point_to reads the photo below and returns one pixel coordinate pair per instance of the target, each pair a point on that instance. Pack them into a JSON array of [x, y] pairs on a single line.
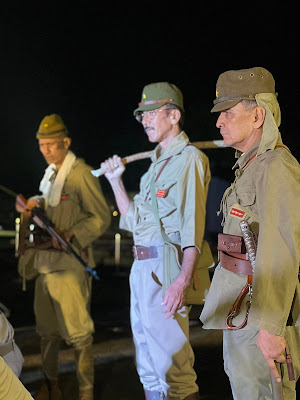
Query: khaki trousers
[[61, 306], [164, 356], [248, 371]]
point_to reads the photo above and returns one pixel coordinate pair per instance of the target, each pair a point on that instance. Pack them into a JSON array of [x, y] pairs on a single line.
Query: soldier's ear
[[175, 116], [67, 142], [259, 117]]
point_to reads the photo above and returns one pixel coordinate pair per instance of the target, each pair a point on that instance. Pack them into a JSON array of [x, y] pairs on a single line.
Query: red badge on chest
[[64, 197], [162, 193], [237, 213]]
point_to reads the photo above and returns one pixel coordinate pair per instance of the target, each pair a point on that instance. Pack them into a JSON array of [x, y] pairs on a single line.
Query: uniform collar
[[175, 147], [244, 158]]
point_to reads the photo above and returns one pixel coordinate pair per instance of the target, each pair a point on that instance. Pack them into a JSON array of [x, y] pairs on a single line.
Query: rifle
[[39, 217]]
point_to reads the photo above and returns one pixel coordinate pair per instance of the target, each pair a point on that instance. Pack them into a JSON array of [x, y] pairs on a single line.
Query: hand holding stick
[[213, 144]]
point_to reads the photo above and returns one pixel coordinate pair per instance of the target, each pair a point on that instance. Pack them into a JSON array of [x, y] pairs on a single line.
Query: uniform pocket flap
[[247, 198]]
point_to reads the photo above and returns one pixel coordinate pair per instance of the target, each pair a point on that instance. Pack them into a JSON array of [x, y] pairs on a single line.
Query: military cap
[[51, 126], [156, 95], [234, 86]]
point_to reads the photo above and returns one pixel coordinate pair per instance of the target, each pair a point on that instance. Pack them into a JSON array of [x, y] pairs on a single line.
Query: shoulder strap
[[154, 202], [158, 175]]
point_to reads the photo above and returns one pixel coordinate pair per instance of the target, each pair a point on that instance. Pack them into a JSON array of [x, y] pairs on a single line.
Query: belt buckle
[[154, 251], [134, 251]]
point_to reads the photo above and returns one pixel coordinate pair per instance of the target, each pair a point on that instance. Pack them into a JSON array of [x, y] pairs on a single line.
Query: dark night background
[[89, 63]]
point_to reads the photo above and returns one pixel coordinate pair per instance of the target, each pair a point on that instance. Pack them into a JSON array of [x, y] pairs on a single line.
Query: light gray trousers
[[164, 356]]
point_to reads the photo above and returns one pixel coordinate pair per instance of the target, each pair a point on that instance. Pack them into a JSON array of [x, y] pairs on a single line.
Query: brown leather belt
[[144, 253], [233, 257], [234, 264], [232, 253]]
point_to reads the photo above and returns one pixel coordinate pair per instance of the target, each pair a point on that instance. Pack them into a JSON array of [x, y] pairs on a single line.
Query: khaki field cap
[[234, 86], [158, 94], [51, 126]]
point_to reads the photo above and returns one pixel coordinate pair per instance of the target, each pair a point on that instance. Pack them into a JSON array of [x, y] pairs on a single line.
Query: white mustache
[[148, 128]]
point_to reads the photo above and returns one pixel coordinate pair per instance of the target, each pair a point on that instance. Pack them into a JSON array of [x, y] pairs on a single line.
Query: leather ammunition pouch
[[232, 254], [234, 258]]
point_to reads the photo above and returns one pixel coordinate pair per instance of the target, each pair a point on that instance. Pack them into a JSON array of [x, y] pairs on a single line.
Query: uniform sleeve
[[192, 188], [10, 386], [277, 261], [98, 216]]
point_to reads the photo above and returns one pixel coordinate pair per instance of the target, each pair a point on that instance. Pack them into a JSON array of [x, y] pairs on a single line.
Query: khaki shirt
[[270, 188], [181, 192], [82, 210]]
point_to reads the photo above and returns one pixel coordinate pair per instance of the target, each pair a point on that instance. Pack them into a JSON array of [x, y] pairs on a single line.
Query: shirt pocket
[[166, 196], [165, 189], [246, 197]]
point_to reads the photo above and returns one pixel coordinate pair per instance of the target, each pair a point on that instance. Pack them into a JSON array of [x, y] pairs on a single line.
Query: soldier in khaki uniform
[[72, 199], [265, 194], [180, 176]]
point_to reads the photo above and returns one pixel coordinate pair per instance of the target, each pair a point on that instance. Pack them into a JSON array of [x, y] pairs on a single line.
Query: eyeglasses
[[150, 115]]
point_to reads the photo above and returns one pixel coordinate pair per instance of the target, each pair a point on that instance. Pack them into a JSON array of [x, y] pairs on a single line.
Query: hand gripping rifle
[[40, 218]]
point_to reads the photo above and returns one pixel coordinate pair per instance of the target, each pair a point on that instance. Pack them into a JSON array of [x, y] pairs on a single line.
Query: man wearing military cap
[[73, 201], [255, 292], [176, 183]]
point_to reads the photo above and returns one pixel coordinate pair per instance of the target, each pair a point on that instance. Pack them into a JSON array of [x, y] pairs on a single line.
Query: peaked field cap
[[236, 85], [51, 126], [156, 95]]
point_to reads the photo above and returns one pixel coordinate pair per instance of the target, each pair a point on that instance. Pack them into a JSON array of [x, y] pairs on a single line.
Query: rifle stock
[[40, 218]]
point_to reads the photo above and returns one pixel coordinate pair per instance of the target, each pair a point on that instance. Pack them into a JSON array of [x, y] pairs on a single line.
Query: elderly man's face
[[237, 126], [54, 150], [158, 123]]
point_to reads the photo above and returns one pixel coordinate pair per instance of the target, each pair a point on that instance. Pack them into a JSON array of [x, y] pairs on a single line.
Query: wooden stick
[[211, 144]]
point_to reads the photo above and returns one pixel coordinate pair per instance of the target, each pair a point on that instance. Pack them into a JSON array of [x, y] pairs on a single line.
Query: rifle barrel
[[51, 230]]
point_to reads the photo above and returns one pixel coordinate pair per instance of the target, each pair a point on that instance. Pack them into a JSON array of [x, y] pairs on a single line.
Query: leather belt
[[144, 253], [235, 264], [233, 257]]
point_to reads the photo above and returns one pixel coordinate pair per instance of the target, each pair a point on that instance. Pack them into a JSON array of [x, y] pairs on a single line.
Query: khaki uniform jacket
[[181, 195], [82, 210], [270, 188]]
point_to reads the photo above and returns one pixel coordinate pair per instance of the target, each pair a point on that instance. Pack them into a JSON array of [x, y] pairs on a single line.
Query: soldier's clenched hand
[[113, 167]]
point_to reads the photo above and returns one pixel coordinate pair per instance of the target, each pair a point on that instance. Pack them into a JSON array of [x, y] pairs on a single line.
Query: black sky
[[89, 63]]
